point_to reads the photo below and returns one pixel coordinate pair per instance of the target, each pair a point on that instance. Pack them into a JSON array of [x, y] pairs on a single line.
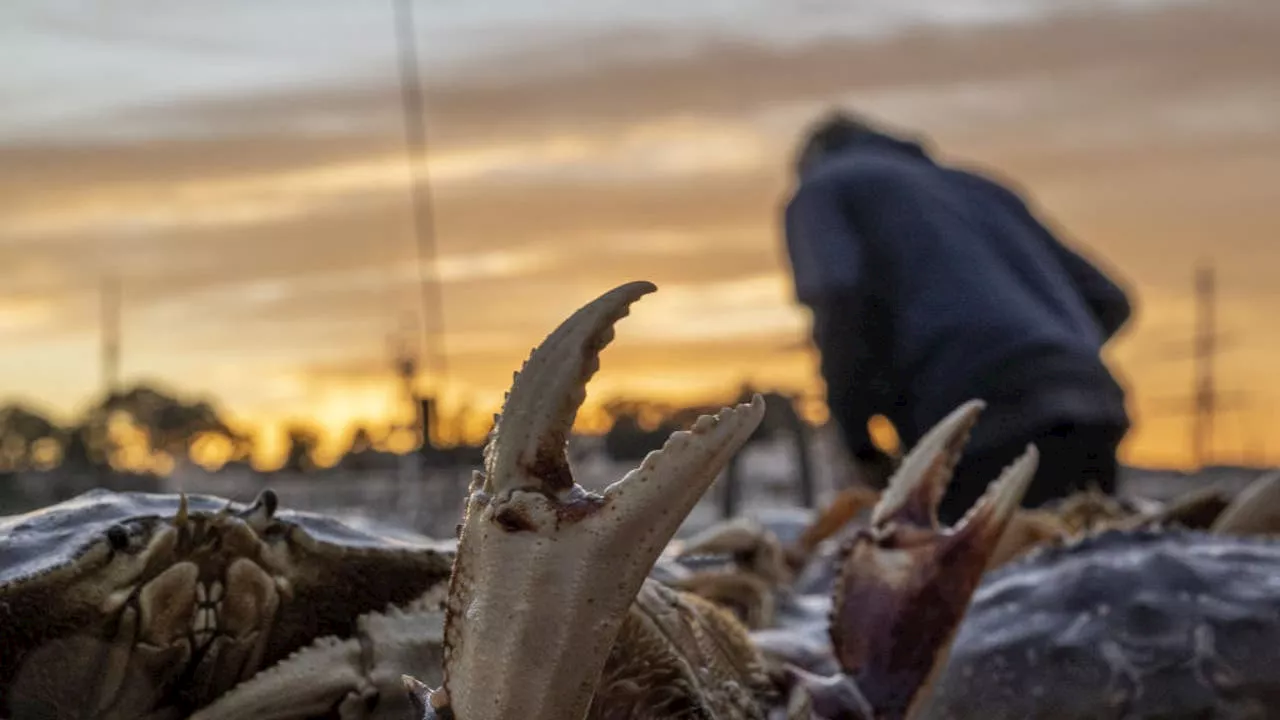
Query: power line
[[432, 296]]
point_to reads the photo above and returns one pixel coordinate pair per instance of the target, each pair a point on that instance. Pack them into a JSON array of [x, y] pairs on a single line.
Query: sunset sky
[[241, 167]]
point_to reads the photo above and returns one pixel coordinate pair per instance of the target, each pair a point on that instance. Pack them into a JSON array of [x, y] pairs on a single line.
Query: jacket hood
[[871, 141]]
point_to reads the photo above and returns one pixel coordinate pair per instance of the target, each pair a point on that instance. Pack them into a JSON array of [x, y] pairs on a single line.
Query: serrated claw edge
[[527, 445], [917, 487], [906, 562], [545, 570]]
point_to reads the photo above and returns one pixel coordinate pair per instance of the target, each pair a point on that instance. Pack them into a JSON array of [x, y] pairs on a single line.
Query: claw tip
[[180, 520]]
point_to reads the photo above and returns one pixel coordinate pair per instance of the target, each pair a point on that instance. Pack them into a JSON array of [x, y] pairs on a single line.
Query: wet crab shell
[[75, 579], [41, 541], [1123, 624]]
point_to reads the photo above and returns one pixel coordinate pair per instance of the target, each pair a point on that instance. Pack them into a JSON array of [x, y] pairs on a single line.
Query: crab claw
[[752, 546], [545, 570], [1255, 511], [848, 504], [905, 582], [419, 696], [834, 696]]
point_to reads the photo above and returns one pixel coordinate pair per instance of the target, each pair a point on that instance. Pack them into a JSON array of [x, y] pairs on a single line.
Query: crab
[[1254, 511], [551, 606], [1173, 624], [758, 574], [848, 504], [1162, 612], [553, 612], [137, 605], [1167, 611], [749, 584]]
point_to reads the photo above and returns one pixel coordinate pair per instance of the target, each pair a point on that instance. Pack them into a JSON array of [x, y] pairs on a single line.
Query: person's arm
[[827, 262], [850, 367], [1109, 302], [1104, 296]]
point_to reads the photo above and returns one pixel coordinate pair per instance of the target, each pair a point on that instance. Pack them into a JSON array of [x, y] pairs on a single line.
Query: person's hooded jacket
[[930, 286]]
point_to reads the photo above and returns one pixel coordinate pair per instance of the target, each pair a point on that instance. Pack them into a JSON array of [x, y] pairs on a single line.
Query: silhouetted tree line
[[638, 427], [145, 422], [162, 425]]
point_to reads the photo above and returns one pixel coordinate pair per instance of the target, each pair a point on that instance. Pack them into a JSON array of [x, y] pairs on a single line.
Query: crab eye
[[118, 537], [270, 501]]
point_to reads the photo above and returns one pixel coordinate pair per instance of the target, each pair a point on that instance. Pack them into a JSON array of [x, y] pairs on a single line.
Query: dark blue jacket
[[931, 285]]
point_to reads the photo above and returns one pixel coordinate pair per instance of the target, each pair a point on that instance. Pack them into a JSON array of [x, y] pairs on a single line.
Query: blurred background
[[261, 243]]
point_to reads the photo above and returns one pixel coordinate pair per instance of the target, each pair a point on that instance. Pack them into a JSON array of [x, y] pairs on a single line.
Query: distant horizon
[[475, 423], [592, 422]]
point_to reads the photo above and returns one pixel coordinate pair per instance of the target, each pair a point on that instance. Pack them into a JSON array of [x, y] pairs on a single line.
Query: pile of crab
[[556, 603]]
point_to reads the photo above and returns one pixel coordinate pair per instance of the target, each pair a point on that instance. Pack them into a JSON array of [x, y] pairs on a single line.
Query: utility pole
[[424, 227], [406, 369], [420, 196], [1206, 347], [1207, 401], [109, 300]]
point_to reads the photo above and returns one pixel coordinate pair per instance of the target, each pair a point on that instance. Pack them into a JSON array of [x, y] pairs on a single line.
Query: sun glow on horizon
[[697, 344], [267, 253]]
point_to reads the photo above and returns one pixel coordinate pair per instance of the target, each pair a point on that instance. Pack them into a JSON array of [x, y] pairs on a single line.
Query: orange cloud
[[272, 268]]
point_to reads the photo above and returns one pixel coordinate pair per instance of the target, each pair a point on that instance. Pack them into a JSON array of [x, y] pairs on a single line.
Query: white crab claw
[[545, 571], [527, 446]]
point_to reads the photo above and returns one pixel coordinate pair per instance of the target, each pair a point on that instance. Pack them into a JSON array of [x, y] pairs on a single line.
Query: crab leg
[[1255, 511], [906, 582], [847, 505], [753, 547], [545, 571]]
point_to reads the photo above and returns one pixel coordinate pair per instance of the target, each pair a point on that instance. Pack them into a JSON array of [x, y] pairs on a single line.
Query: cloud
[[667, 150], [73, 53], [270, 240], [742, 308]]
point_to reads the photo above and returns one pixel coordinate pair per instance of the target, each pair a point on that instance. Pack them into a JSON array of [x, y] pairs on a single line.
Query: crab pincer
[[906, 582], [545, 571]]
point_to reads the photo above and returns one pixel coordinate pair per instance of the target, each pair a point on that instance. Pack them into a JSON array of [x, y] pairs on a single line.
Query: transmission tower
[[406, 364], [1206, 347], [1207, 401], [109, 299]]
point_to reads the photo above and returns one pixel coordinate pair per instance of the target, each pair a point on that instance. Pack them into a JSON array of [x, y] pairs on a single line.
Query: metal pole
[[110, 359]]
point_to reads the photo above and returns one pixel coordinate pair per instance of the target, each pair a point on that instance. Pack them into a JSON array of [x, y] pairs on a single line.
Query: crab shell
[[1173, 624], [120, 605]]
